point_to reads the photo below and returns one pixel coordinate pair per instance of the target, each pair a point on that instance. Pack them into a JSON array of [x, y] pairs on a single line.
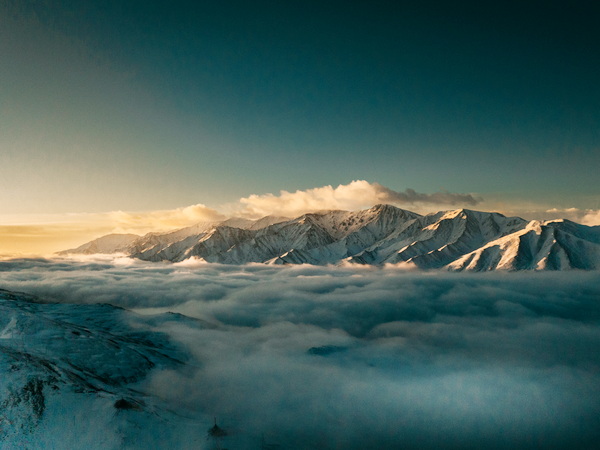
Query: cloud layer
[[318, 357]]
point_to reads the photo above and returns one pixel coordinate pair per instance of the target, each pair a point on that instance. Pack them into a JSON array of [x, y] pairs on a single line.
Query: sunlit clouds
[[47, 238], [591, 217], [352, 196], [43, 234], [50, 233], [164, 219]]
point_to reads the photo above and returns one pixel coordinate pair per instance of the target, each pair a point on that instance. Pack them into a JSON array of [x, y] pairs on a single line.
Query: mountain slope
[[553, 245], [438, 239], [457, 240], [111, 243], [58, 360]]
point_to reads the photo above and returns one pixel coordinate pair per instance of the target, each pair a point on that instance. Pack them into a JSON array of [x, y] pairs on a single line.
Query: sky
[[146, 108]]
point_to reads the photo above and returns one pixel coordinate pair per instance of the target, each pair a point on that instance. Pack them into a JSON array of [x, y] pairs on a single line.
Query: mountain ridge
[[455, 240]]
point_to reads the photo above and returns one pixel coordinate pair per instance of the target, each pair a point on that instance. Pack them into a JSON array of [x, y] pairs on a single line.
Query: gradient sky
[[149, 105]]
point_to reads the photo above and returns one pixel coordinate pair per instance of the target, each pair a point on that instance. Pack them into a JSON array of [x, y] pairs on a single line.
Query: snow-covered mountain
[[111, 243], [552, 245], [456, 240], [63, 364]]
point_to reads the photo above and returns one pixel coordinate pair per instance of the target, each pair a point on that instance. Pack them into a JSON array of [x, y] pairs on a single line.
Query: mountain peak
[[384, 234], [383, 207]]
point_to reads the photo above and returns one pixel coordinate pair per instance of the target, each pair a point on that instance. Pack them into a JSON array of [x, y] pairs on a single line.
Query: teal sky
[[140, 105]]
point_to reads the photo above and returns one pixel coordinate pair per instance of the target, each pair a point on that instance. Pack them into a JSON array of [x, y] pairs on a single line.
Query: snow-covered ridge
[[456, 240], [56, 359]]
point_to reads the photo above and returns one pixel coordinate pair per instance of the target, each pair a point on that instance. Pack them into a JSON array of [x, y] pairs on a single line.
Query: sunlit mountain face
[[299, 225], [455, 240], [325, 207]]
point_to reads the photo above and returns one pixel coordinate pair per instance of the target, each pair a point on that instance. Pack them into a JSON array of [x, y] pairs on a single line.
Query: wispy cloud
[[163, 219], [46, 234]]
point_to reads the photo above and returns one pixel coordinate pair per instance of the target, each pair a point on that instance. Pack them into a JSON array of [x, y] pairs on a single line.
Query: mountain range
[[454, 240]]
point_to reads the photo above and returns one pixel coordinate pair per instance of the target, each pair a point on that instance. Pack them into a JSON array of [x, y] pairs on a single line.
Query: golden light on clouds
[[143, 222], [353, 196], [45, 234], [27, 240]]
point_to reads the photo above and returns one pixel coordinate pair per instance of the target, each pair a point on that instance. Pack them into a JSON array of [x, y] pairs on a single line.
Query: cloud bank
[[163, 220], [354, 358], [356, 195], [589, 217]]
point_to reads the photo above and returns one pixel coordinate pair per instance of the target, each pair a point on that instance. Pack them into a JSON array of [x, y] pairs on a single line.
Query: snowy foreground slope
[[62, 366], [455, 240]]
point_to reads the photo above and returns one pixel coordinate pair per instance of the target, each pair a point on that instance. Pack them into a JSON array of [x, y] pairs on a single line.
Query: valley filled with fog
[[297, 356]]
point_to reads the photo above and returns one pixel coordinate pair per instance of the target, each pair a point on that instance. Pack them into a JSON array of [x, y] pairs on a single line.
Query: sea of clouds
[[352, 358]]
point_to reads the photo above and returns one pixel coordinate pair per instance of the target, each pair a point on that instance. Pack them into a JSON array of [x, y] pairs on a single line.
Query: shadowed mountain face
[[455, 240]]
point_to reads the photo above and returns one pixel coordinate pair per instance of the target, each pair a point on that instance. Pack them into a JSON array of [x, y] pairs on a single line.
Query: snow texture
[[455, 240]]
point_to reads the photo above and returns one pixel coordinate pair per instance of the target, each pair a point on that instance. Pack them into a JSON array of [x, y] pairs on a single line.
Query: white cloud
[[588, 217], [45, 234], [591, 217], [159, 220], [532, 211], [353, 196]]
